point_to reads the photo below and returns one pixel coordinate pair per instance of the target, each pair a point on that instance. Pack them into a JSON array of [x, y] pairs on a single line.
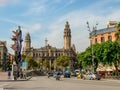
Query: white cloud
[[5, 2], [55, 38], [32, 28], [77, 20], [36, 7], [45, 6], [26, 27], [35, 10]]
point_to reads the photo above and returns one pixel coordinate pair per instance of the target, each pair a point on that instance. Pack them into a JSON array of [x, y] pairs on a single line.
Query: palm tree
[[117, 34]]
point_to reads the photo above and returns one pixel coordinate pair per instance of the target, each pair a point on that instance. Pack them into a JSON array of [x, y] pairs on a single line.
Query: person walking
[[21, 74], [24, 74], [9, 74]]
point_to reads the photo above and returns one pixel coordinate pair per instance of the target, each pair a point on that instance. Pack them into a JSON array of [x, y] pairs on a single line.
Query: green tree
[[81, 59], [107, 52], [111, 53], [31, 62], [46, 64], [97, 55], [87, 60], [90, 57], [117, 34], [23, 57], [40, 63], [63, 61]]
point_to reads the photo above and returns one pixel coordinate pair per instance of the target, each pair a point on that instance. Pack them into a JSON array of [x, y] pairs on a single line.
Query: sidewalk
[[4, 77]]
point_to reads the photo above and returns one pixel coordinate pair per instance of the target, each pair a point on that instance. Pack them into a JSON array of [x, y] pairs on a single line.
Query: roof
[[46, 48], [101, 31]]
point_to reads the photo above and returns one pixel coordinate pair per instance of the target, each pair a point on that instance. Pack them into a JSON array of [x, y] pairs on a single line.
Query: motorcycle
[[58, 77]]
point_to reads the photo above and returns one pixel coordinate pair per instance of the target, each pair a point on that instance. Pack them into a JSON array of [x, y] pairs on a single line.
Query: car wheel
[[83, 78], [91, 78], [98, 78]]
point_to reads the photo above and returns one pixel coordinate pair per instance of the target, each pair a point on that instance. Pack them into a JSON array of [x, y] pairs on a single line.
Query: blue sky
[[47, 18]]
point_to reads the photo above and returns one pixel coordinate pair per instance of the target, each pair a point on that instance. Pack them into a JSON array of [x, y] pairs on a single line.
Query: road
[[44, 83]]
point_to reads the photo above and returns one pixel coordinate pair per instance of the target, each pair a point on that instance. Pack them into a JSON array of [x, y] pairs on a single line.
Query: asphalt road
[[44, 83]]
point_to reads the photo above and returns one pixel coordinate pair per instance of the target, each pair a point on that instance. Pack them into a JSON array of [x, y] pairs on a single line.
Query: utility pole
[[17, 38], [91, 37]]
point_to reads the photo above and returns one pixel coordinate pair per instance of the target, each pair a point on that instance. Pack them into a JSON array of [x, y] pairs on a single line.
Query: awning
[[108, 69]]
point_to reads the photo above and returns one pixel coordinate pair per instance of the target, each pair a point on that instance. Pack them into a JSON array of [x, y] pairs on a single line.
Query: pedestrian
[[9, 74], [24, 74], [21, 74]]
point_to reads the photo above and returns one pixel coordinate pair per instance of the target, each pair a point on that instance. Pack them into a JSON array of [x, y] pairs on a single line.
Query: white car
[[92, 76], [77, 71]]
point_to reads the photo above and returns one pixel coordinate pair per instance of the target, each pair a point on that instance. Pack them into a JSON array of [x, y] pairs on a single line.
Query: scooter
[[58, 77]]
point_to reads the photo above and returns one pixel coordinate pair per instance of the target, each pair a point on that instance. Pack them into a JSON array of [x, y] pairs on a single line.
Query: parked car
[[75, 73], [67, 74], [92, 76], [50, 74], [56, 73]]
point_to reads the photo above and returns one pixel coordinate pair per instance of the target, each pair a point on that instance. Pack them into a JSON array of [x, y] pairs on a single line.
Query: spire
[[67, 27], [27, 41], [27, 37], [46, 41], [67, 31], [67, 36]]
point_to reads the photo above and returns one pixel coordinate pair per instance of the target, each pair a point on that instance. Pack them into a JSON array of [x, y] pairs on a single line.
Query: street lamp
[[90, 33]]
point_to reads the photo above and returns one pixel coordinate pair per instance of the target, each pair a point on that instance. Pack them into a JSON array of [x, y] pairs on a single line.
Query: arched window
[[95, 40], [36, 55], [102, 39], [109, 37], [43, 54]]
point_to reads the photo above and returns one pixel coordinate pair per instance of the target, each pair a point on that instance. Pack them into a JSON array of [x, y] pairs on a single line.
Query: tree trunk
[[116, 71]]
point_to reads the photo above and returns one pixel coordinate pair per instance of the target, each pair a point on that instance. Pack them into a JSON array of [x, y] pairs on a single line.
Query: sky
[[47, 18]]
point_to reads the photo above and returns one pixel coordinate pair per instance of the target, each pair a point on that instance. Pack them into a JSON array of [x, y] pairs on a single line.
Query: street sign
[[24, 65]]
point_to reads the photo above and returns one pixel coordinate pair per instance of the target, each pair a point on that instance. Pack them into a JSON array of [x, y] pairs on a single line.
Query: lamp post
[[91, 33]]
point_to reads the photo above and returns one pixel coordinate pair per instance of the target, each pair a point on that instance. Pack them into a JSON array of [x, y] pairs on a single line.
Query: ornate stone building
[[3, 55], [50, 53]]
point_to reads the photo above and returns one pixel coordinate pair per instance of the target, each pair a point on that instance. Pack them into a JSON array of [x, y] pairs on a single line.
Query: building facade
[[103, 35], [10, 59], [3, 56], [50, 53]]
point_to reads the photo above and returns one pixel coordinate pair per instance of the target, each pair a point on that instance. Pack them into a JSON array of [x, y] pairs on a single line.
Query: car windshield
[[77, 71]]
